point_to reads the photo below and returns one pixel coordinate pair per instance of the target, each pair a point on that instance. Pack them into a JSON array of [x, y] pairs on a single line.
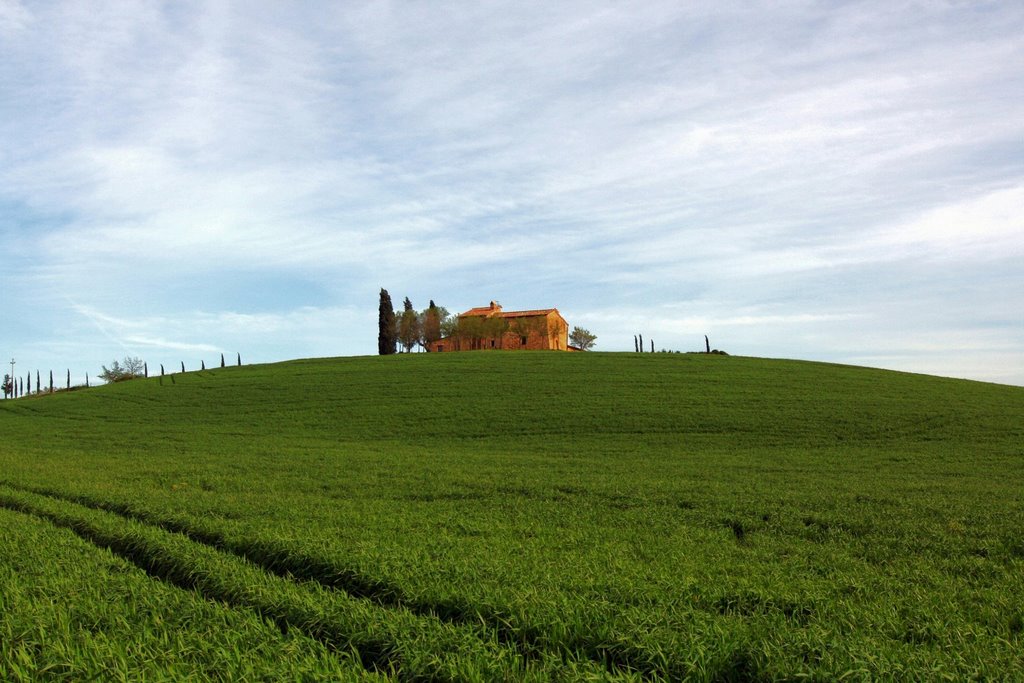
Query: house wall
[[525, 333]]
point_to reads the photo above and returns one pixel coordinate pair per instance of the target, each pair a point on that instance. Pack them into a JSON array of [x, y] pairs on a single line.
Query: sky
[[827, 181]]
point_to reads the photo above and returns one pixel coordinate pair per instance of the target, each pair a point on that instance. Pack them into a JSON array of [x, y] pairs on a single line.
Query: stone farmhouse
[[489, 327]]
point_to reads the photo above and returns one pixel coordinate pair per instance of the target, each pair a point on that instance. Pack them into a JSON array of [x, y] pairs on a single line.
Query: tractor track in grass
[[178, 574], [528, 643], [162, 556]]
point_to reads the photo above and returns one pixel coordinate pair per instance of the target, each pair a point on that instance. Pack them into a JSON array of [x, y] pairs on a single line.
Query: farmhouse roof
[[495, 309], [483, 310], [529, 314]]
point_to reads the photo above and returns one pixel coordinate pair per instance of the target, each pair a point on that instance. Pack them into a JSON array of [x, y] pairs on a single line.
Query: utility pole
[[12, 378]]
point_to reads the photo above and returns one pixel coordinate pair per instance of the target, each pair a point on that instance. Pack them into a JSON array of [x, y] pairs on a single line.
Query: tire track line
[[177, 559], [529, 643]]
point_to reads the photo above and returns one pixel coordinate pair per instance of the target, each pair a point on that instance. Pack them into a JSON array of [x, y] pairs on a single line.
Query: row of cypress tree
[[14, 387], [410, 328]]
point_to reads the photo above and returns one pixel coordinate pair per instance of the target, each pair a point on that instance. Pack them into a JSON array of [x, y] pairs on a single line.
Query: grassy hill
[[515, 516]]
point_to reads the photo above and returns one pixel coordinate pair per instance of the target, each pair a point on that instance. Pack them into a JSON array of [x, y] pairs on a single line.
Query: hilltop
[[417, 396]]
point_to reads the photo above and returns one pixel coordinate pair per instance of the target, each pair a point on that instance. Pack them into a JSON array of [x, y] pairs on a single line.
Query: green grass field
[[515, 516]]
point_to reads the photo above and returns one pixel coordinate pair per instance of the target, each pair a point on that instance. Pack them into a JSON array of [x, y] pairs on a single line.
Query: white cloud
[[160, 343], [988, 226]]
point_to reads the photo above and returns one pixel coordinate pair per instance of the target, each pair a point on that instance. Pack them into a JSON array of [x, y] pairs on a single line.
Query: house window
[[522, 340], [492, 343]]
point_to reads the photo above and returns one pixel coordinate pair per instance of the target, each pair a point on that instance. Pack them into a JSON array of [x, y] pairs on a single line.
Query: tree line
[[638, 346], [133, 368], [411, 328], [16, 386], [130, 367], [13, 387]]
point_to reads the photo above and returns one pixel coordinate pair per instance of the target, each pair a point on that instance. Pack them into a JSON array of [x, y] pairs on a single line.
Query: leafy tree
[[115, 373], [129, 368], [468, 330], [408, 327], [386, 333], [478, 330], [431, 320], [450, 326], [8, 386], [582, 339], [525, 328], [495, 327]]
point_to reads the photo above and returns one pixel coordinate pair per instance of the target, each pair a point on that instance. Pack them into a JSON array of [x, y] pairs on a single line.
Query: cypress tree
[[37, 382], [239, 359], [69, 379], [161, 369], [51, 381], [183, 366], [641, 343], [145, 369], [222, 360], [387, 337], [202, 365]]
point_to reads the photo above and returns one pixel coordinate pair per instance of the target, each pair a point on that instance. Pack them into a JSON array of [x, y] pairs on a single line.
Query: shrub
[[130, 368]]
